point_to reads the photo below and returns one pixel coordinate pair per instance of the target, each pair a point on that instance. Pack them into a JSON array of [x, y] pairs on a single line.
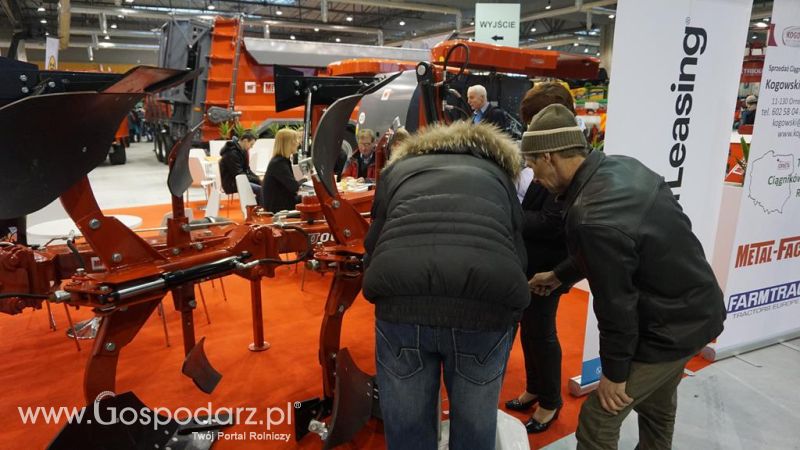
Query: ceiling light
[[279, 12], [761, 25], [586, 50], [598, 54], [766, 19], [211, 7], [114, 26], [611, 16], [349, 18], [402, 23], [316, 29], [471, 40], [549, 47], [533, 30], [548, 5], [47, 33], [291, 37], [338, 40], [574, 44], [106, 37], [472, 23], [41, 9], [413, 33], [752, 37], [43, 21], [128, 1], [120, 16]]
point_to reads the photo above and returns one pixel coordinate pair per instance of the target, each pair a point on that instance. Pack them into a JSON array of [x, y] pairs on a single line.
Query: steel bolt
[[192, 303], [23, 77], [347, 232], [198, 245], [25, 90], [51, 84], [297, 83], [185, 227], [335, 204], [176, 251], [105, 289], [110, 346], [80, 271], [94, 224], [295, 92], [340, 309], [83, 150], [116, 257]]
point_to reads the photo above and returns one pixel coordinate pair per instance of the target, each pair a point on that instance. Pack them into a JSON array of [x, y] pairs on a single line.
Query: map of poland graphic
[[771, 178]]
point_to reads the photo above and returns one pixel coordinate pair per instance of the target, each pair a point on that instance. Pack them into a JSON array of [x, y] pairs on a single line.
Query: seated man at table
[[362, 163], [234, 160]]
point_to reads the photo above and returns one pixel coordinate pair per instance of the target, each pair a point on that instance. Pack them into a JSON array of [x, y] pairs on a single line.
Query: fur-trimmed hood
[[464, 137]]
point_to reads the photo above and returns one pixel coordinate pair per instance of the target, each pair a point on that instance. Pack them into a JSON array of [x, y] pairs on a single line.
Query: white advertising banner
[[671, 102], [763, 289], [51, 54]]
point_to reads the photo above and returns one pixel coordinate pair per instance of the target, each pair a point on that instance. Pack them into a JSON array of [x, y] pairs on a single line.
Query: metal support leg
[[163, 321], [203, 299], [50, 319], [224, 295], [259, 344], [72, 327]]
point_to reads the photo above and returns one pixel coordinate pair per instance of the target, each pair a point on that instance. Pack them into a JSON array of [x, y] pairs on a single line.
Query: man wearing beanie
[[655, 297]]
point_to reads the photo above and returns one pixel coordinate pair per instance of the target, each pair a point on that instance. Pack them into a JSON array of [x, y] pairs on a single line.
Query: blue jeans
[[410, 359], [257, 193]]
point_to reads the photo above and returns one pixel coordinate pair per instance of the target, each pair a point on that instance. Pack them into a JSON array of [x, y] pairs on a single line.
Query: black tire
[[117, 154]]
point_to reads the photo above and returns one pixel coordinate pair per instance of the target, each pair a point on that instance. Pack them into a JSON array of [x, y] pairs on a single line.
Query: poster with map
[[763, 290]]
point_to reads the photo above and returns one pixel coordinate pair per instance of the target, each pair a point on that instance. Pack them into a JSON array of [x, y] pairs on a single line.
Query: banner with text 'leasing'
[[763, 290], [676, 68]]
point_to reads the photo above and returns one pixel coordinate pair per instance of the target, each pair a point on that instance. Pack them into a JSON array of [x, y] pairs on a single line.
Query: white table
[[43, 232]]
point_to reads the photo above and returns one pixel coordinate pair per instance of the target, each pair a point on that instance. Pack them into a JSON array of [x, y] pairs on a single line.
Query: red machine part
[[529, 62], [368, 67], [255, 106]]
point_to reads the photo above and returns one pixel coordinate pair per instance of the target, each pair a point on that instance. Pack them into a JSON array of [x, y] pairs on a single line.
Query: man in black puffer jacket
[[446, 272]]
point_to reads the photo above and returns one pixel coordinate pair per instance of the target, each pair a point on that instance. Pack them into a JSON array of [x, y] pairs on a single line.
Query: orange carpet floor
[[43, 368]]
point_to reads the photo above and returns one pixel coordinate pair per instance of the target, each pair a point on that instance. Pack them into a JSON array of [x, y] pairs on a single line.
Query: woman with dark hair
[[543, 232]]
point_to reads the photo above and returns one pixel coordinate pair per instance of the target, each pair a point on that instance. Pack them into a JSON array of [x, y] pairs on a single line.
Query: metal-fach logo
[[791, 37]]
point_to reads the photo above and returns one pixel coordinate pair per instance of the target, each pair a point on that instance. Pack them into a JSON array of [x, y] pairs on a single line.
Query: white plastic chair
[[215, 147], [212, 207], [260, 155], [199, 176], [246, 195], [197, 152]]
